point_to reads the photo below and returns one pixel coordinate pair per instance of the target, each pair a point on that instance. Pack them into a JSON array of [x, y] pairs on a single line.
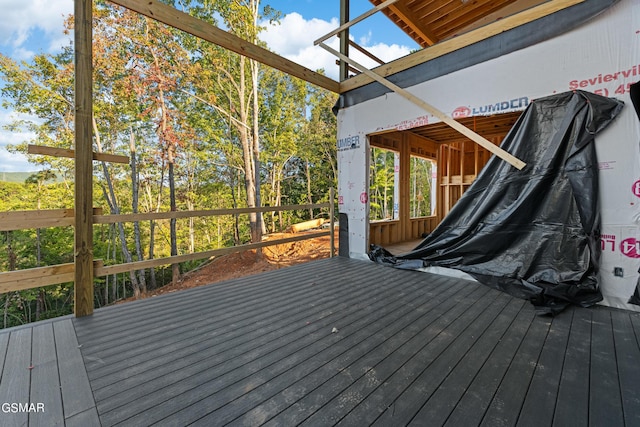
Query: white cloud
[[10, 162], [21, 54], [388, 52], [19, 18], [364, 40], [293, 38]]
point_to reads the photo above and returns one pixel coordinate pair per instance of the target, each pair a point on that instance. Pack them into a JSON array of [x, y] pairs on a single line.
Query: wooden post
[[83, 254], [344, 39], [332, 238]]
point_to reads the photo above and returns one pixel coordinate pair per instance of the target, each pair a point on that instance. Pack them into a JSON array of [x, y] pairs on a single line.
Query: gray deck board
[[399, 324], [332, 342], [402, 410], [572, 406], [77, 396], [540, 402], [628, 353], [439, 406], [605, 401], [45, 381], [474, 402], [16, 376], [505, 406], [43, 370]]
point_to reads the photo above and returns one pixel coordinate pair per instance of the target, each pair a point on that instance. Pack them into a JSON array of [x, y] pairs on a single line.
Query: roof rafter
[[459, 42], [413, 22]]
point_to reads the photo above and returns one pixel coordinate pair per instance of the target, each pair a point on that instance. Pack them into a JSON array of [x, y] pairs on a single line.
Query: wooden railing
[[63, 273]]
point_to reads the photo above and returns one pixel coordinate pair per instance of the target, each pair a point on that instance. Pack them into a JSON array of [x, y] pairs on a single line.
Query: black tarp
[[533, 233]]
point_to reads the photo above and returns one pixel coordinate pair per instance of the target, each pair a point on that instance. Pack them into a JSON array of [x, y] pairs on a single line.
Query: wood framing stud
[[83, 253]]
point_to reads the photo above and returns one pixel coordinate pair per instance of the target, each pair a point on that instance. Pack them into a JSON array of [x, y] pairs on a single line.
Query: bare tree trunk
[[255, 68], [115, 210], [236, 217], [7, 299], [134, 207], [152, 225], [152, 243], [12, 266], [40, 298], [192, 230], [112, 201], [279, 198], [273, 200], [111, 249], [175, 268], [114, 290], [307, 171], [248, 143], [39, 304]]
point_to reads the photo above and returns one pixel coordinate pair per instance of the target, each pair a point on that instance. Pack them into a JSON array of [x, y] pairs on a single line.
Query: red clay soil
[[247, 263]]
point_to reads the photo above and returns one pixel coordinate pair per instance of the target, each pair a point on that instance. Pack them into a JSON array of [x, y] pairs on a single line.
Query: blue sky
[[377, 27], [28, 27]]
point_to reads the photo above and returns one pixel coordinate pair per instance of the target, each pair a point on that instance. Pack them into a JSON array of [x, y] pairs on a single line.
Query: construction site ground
[[247, 263]]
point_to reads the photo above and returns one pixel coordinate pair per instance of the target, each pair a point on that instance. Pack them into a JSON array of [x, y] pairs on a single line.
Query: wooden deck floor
[[340, 342]]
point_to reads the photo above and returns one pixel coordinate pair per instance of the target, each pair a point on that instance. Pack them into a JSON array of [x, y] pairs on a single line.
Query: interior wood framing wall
[[404, 228], [458, 163]]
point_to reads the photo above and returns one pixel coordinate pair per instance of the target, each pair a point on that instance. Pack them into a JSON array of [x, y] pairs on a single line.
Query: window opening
[[384, 192], [422, 187]]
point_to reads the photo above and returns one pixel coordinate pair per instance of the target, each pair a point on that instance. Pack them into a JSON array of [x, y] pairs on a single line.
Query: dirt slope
[[247, 263]]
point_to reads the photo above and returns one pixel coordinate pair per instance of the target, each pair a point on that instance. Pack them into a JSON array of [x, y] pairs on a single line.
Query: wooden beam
[[515, 162], [155, 9], [459, 42], [413, 22], [424, 138], [64, 152], [112, 219], [354, 21], [83, 253], [20, 280], [510, 9], [22, 220]]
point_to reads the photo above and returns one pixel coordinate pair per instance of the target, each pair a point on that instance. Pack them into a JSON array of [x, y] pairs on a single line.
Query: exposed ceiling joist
[[168, 15], [459, 42], [414, 23], [354, 21]]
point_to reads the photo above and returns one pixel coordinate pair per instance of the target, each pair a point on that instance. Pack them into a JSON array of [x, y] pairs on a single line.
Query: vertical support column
[[396, 187], [332, 213], [83, 254], [405, 187], [344, 39]]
